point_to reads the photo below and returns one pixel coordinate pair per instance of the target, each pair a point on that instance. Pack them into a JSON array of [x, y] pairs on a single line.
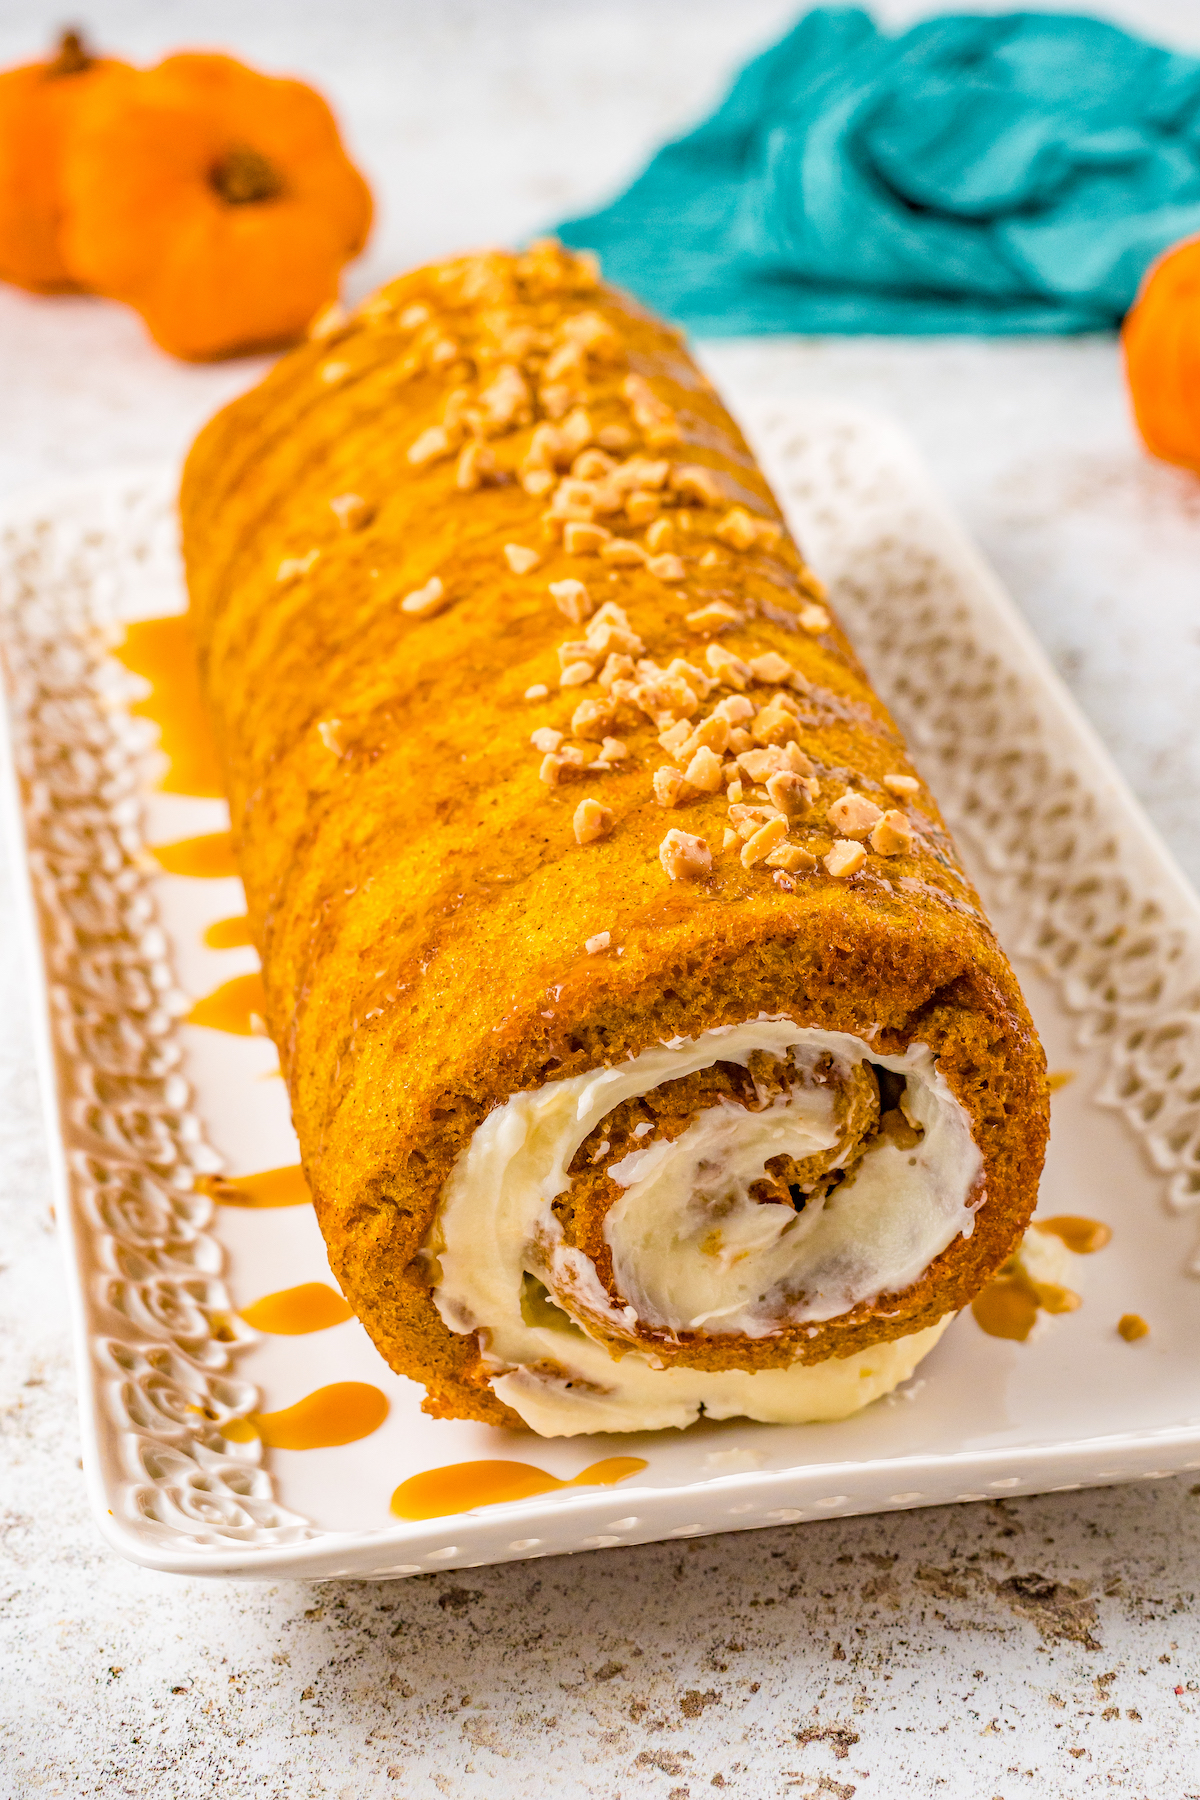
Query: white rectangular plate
[[1104, 931]]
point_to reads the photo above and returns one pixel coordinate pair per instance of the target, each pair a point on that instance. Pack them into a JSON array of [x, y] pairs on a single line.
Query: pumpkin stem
[[73, 57], [243, 177]]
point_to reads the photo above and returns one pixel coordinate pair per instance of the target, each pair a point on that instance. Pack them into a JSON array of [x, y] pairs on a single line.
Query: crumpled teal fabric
[[974, 174]]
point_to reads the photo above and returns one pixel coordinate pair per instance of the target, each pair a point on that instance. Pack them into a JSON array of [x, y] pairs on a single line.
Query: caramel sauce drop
[[228, 934], [271, 1187], [208, 857], [294, 1311], [1132, 1326], [1059, 1078], [342, 1413], [1083, 1236], [163, 652], [462, 1486], [1007, 1308], [238, 1006]]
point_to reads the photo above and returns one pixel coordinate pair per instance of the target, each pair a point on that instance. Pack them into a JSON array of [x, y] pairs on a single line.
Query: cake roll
[[648, 1047]]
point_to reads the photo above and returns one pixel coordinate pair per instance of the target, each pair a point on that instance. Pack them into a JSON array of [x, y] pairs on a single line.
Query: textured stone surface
[[1045, 1647]]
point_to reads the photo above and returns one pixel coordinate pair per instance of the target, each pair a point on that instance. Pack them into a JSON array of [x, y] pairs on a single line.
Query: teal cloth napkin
[[974, 174]]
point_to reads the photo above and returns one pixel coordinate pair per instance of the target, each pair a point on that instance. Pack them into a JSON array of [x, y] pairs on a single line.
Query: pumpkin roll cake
[[649, 1050]]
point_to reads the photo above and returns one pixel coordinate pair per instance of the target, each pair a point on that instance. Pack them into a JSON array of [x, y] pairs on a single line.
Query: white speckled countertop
[[1043, 1647]]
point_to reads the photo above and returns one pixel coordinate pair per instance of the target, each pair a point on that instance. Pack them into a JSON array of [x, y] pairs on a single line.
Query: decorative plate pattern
[[1079, 887]]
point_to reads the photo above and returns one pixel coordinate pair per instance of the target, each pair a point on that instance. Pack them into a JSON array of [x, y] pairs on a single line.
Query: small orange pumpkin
[[1161, 339], [36, 104], [217, 201]]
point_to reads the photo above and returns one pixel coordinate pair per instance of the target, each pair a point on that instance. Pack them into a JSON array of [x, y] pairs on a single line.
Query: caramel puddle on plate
[[207, 858], [162, 651], [1008, 1306], [295, 1311], [237, 1006], [339, 1414], [270, 1187], [228, 934], [1059, 1078], [461, 1486]]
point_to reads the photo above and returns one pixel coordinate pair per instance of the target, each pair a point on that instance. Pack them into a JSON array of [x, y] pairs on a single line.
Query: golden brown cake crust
[[419, 897]]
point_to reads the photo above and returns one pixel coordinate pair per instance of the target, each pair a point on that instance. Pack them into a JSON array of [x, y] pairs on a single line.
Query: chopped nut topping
[[609, 631], [331, 318], [505, 401], [746, 820], [815, 619], [443, 353], [792, 794], [592, 465], [555, 762], [575, 499], [902, 784], [539, 691], [591, 719], [713, 559], [641, 506], [669, 786], [775, 724], [660, 535], [566, 361], [735, 791], [703, 483], [854, 815], [792, 858], [558, 397], [704, 684], [572, 600], [546, 448], [351, 511], [641, 472], [581, 539], [617, 668], [845, 858], [728, 669], [735, 708], [519, 559], [711, 734], [328, 731], [292, 566], [575, 432], [718, 615], [431, 446], [665, 697], [893, 835], [739, 741], [704, 772], [413, 316], [476, 464], [623, 553], [666, 568], [576, 650], [614, 437], [777, 759], [334, 371], [684, 858], [592, 821], [612, 750], [742, 530], [772, 668], [546, 739], [423, 602], [768, 837], [593, 333], [601, 941], [537, 482], [675, 737], [576, 674], [653, 417], [729, 839]]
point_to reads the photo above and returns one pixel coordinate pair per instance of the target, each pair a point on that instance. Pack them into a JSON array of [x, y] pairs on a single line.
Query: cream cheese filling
[[692, 1249]]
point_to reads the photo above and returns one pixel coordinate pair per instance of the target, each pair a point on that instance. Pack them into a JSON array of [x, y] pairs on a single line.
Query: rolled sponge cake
[[649, 1050]]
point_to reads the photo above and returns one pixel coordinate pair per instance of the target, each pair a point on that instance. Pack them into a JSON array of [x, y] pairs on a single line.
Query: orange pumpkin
[[1161, 339], [217, 201], [37, 101]]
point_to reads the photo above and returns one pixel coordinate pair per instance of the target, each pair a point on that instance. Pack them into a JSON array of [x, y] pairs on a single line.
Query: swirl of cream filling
[[693, 1248]]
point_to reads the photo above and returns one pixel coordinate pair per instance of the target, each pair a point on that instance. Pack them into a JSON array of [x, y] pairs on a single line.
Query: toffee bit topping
[[601, 941], [592, 821], [520, 559], [351, 511], [666, 568], [423, 602], [431, 446], [893, 835], [623, 553], [572, 600], [901, 784], [854, 815], [539, 691], [813, 618], [582, 539], [792, 858], [768, 837], [728, 669], [546, 739], [669, 786], [771, 668], [476, 464], [718, 615], [845, 859], [684, 858]]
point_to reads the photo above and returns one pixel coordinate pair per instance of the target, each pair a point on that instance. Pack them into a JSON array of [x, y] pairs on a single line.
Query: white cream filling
[[691, 1247]]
